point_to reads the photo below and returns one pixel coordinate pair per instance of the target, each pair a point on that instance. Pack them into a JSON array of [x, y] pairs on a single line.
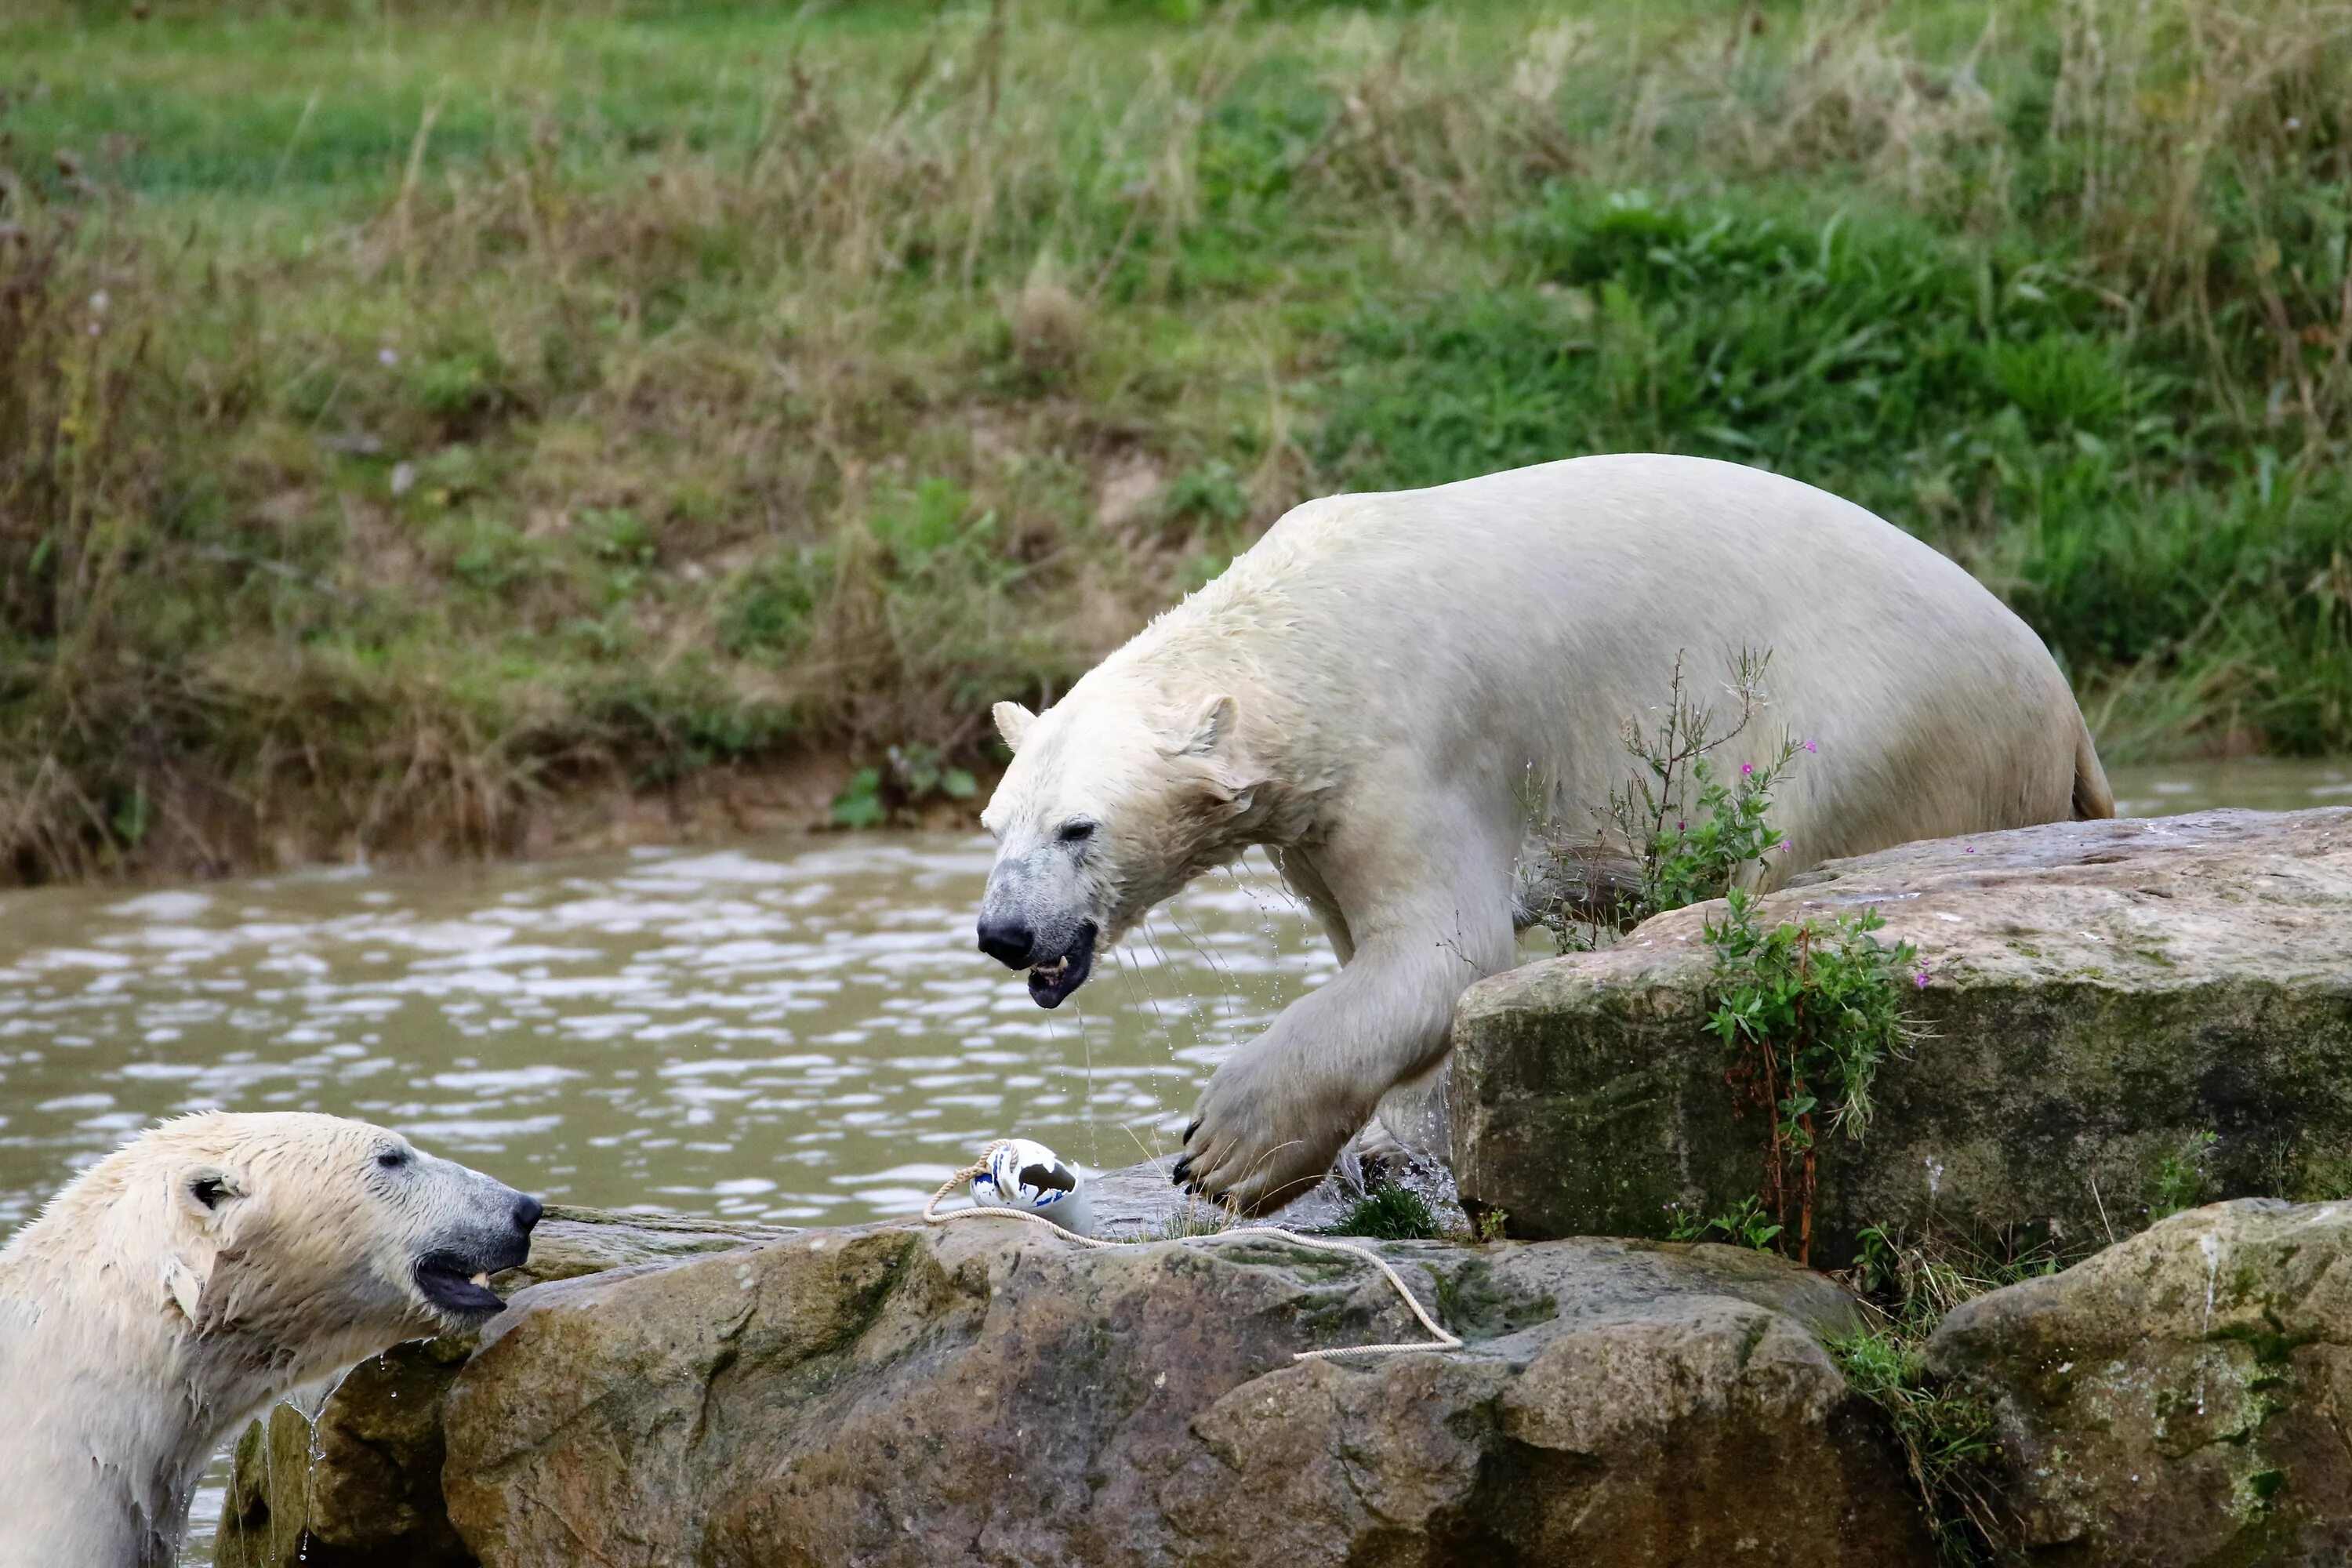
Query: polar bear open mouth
[[1050, 982], [458, 1286]]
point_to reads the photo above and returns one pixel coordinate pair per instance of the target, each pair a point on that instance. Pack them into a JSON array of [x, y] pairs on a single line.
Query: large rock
[[358, 1485], [2183, 1398], [2102, 995], [987, 1394], [354, 1481]]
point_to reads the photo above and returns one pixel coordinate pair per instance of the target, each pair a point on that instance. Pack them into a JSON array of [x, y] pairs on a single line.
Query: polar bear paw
[[1267, 1131]]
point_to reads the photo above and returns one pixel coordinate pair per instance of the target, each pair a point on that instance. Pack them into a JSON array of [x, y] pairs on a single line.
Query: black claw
[[1182, 1167], [1193, 1129]]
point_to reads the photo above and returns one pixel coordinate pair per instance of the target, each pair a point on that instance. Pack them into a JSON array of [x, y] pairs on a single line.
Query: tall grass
[[406, 417]]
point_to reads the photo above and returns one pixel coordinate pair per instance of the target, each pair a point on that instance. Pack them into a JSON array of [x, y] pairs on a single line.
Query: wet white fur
[[138, 1327], [1378, 689]]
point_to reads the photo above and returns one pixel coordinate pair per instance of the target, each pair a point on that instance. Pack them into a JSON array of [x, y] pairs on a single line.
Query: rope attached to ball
[[1442, 1339]]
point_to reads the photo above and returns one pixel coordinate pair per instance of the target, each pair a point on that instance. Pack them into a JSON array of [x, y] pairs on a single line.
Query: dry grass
[[481, 408]]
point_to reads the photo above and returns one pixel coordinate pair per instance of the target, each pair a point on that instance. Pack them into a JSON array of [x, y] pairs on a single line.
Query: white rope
[[1443, 1340]]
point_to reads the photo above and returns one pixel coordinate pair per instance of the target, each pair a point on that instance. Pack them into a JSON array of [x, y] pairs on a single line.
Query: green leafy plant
[[1696, 831], [859, 804], [1812, 1010], [1687, 831], [2182, 1178], [912, 777], [1725, 833], [1745, 1223], [1947, 1434]]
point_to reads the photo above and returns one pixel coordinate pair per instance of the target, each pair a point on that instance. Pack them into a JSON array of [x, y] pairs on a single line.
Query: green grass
[[1389, 1211], [1948, 1431], [495, 400]]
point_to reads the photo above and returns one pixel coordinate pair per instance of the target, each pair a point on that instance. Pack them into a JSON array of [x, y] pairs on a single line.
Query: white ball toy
[[1024, 1174]]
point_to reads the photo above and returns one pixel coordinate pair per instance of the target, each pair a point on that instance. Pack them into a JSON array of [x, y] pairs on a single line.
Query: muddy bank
[[202, 836]]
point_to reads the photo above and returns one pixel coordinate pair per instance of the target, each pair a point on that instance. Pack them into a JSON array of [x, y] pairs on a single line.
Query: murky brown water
[[797, 1030], [2264, 784]]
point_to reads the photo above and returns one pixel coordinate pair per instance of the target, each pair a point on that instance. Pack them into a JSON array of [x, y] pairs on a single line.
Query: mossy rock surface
[[985, 1393], [358, 1484], [2098, 997], [2178, 1399]]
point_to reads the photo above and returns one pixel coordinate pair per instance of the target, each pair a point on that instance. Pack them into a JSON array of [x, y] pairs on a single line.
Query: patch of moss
[[1388, 1212], [2272, 1344], [1474, 1304]]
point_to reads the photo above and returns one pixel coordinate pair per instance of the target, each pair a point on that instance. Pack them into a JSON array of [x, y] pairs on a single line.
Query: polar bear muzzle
[[488, 1231], [1052, 980], [1038, 915], [1057, 964]]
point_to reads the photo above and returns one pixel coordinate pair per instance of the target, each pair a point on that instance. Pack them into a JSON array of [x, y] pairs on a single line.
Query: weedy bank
[[410, 416]]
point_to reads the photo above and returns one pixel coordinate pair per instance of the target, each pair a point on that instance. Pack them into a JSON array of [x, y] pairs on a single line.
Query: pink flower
[[1810, 745], [1747, 768], [1922, 978]]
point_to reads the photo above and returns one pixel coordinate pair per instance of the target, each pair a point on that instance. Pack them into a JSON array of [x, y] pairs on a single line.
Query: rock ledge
[[2102, 994]]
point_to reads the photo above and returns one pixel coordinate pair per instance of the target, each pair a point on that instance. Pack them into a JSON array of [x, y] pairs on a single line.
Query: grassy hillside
[[410, 413]]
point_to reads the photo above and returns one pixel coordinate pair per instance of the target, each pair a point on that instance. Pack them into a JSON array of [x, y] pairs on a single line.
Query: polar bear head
[[295, 1241], [199, 1272], [1114, 800]]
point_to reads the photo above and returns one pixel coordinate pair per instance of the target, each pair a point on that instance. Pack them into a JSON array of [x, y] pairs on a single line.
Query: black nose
[[526, 1212], [1006, 941]]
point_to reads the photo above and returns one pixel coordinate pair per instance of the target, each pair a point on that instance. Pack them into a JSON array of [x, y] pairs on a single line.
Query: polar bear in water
[[194, 1275], [1375, 690]]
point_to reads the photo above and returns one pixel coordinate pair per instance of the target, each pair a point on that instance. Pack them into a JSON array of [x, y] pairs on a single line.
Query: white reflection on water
[[797, 1031]]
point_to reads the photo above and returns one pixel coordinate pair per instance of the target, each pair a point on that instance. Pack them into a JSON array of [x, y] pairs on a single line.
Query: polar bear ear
[[1211, 724], [1012, 722], [204, 1191]]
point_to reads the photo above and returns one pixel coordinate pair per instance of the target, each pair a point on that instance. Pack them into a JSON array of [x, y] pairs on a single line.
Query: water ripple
[[791, 1032]]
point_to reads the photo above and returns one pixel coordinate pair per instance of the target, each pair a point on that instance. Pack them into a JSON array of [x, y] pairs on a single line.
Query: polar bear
[[193, 1276], [1379, 688]]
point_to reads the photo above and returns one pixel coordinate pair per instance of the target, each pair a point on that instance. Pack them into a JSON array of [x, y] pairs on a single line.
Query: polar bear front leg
[[1276, 1114]]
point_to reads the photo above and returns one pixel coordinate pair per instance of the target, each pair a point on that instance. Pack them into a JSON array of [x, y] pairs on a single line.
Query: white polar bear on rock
[[1372, 690], [196, 1274]]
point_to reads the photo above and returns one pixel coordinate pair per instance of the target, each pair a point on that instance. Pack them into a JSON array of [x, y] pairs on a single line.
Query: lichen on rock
[[358, 1484], [2178, 1399], [987, 1394], [2097, 997]]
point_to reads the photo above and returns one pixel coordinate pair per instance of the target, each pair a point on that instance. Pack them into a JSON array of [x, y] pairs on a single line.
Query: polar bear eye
[[393, 1159], [1077, 831]]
